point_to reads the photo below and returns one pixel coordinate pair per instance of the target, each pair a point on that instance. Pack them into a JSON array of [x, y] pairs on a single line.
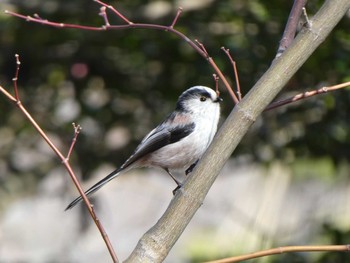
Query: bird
[[176, 143]]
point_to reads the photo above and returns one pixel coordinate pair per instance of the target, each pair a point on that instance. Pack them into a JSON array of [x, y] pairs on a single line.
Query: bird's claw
[[179, 186]]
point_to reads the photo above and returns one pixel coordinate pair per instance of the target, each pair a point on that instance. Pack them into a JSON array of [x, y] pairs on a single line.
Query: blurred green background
[[119, 84]]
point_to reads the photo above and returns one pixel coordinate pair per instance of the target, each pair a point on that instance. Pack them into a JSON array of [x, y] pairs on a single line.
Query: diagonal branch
[[157, 242], [227, 52], [65, 160], [306, 95], [291, 26]]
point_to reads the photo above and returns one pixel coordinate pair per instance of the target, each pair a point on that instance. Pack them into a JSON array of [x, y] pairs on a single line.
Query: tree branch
[[281, 250], [233, 63], [291, 26], [157, 242], [77, 129], [65, 160], [306, 95]]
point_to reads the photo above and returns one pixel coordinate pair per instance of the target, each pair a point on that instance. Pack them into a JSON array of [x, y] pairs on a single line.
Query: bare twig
[[40, 20], [216, 79], [64, 159], [224, 80], [104, 15], [199, 48], [77, 129], [15, 79], [227, 52], [115, 11], [217, 70], [8, 95], [179, 11], [306, 94], [306, 17], [202, 47], [291, 26], [281, 250]]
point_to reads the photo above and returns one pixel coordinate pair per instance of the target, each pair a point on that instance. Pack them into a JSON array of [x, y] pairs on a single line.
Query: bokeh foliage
[[119, 84]]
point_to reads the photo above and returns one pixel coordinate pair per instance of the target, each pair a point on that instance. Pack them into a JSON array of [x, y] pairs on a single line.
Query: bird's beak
[[218, 99]]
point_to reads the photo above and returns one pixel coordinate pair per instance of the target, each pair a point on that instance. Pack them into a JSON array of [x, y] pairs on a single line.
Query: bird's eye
[[202, 98]]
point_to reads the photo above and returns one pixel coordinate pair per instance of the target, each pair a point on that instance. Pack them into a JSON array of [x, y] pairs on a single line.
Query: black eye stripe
[[204, 94], [194, 93]]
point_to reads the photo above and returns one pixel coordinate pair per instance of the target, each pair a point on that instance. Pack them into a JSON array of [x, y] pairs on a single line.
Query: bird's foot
[[179, 186], [190, 169]]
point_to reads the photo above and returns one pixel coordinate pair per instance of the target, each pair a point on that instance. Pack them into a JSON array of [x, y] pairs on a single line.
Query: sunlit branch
[[305, 95]]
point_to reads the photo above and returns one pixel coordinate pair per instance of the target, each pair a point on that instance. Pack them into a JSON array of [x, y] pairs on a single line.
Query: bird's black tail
[[95, 187]]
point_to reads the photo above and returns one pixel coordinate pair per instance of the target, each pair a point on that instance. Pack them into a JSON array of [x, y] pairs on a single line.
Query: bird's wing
[[158, 138], [161, 136]]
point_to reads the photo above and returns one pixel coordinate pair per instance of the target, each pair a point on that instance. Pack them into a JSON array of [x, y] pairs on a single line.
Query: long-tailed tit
[[179, 141]]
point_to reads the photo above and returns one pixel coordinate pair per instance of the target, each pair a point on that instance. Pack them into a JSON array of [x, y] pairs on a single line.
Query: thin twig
[[39, 20], [8, 95], [15, 79], [217, 70], [306, 94], [224, 80], [216, 79], [64, 160], [199, 47], [104, 15], [178, 13], [291, 26], [281, 250], [227, 52], [115, 11], [77, 129]]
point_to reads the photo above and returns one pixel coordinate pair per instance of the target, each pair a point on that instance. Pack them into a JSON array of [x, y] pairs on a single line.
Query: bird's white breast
[[188, 150]]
